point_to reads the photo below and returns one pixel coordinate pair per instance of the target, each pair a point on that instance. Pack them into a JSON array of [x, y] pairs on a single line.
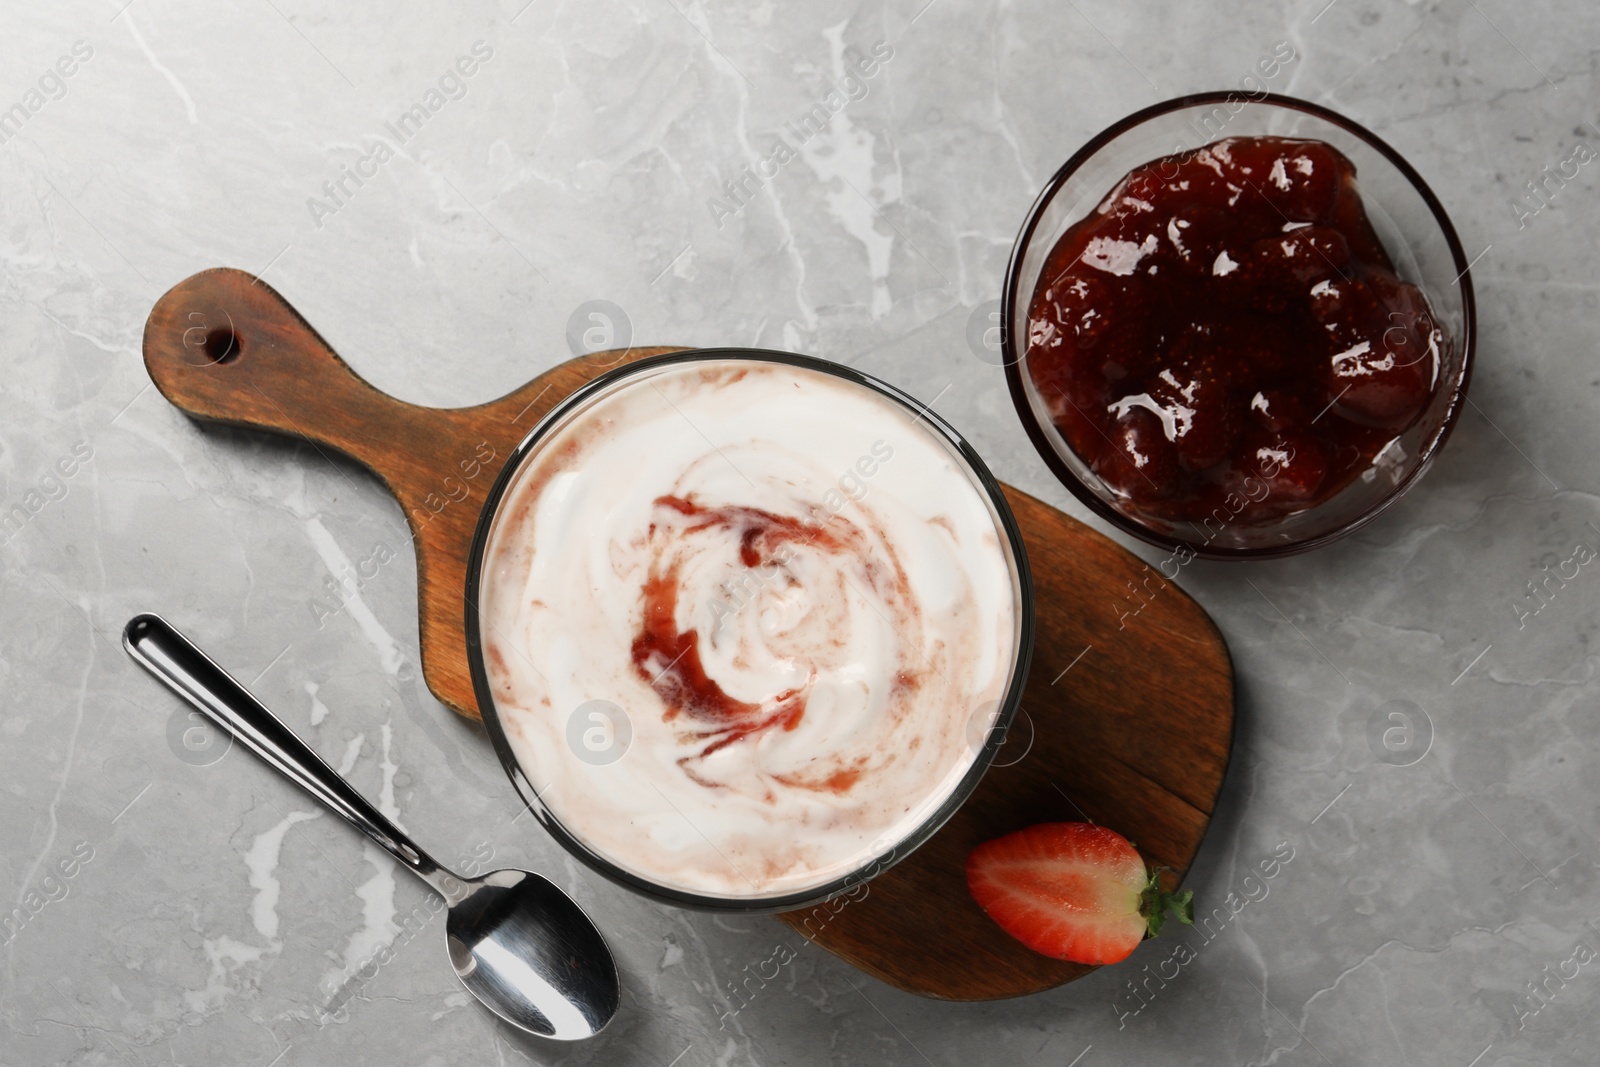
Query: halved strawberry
[[1073, 891]]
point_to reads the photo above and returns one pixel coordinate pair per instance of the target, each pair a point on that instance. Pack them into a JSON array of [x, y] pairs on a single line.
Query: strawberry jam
[[1226, 329]]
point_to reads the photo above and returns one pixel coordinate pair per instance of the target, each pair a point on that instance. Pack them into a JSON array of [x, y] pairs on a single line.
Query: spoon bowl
[[517, 942], [500, 926]]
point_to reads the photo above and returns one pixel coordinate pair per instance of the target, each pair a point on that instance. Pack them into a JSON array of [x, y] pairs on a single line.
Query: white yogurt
[[794, 593]]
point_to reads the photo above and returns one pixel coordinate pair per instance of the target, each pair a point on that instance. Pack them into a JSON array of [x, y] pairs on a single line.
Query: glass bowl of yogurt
[[746, 627]]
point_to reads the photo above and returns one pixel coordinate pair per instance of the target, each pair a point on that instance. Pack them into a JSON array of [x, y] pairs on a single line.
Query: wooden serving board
[[1127, 718]]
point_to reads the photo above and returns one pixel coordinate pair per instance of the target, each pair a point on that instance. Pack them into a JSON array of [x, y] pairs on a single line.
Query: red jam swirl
[[668, 658], [1227, 328]]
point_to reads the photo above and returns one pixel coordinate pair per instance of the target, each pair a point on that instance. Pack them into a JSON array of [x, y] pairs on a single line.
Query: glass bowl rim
[[1041, 435], [983, 480]]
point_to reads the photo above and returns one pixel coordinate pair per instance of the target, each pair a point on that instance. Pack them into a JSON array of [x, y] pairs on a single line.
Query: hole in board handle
[[222, 345]]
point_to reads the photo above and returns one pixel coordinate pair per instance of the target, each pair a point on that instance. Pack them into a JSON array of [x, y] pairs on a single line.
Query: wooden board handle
[[224, 346]]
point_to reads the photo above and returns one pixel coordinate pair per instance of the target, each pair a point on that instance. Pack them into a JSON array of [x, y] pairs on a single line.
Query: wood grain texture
[[1127, 718]]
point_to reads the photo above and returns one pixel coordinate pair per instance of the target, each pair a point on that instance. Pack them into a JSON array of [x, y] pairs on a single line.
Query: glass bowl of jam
[[1238, 326]]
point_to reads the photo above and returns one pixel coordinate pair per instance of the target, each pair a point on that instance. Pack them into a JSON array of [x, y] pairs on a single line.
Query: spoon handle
[[189, 672]]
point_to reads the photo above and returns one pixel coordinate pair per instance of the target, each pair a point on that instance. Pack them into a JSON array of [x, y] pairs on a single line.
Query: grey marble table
[[169, 901]]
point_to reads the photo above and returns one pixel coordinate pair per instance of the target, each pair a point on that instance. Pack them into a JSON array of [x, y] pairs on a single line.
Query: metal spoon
[[518, 943]]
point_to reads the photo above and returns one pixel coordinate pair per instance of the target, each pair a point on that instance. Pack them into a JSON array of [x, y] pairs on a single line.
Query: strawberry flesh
[[1073, 891]]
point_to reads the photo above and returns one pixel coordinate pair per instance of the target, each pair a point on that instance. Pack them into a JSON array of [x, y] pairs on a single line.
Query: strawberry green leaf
[[1154, 903]]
